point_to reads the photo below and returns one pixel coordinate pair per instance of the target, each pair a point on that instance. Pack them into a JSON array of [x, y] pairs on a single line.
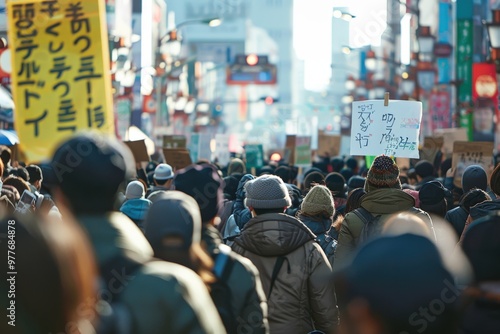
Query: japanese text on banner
[[392, 130], [60, 71]]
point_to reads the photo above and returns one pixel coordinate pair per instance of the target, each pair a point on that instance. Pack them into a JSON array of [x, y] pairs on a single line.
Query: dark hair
[[17, 183], [354, 199], [5, 156], [64, 291], [161, 182], [35, 173], [20, 172], [473, 197], [311, 178], [440, 208], [285, 173], [259, 212]]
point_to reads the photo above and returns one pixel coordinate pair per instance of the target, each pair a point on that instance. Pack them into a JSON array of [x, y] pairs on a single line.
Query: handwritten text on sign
[[391, 130]]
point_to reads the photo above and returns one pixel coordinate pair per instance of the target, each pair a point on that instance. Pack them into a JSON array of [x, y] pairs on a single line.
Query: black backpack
[[220, 290], [372, 226]]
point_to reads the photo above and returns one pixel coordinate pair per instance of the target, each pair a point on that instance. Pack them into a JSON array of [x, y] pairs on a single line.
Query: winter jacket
[[160, 296], [302, 299], [481, 317], [483, 209], [153, 190], [136, 209], [323, 230], [457, 217], [384, 202], [247, 296]]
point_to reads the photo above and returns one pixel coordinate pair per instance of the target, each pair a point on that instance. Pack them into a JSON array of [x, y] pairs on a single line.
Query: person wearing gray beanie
[[272, 240]]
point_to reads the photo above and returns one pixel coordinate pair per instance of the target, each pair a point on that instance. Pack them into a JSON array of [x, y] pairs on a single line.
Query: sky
[[313, 35]]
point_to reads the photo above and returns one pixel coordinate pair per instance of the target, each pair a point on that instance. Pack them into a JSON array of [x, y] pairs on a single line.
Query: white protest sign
[[392, 130], [222, 149]]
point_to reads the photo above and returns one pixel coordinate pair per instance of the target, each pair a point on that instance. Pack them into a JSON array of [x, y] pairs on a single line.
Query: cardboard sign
[[432, 146], [449, 137], [328, 145], [289, 155], [471, 153], [174, 141], [139, 150], [60, 72], [392, 130], [178, 158]]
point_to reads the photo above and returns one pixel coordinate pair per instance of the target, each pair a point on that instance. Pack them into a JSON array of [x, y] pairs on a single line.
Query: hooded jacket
[[136, 209], [302, 299], [384, 202], [159, 295], [484, 208], [324, 232]]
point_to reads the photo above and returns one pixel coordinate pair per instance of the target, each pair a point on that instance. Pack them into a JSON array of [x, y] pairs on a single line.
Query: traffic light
[[269, 100]]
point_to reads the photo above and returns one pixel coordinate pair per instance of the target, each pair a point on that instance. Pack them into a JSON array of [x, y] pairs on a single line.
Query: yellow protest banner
[[60, 72]]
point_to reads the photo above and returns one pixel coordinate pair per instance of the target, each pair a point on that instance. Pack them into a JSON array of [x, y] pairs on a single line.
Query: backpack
[[328, 244], [230, 231], [115, 317], [220, 291], [372, 226]]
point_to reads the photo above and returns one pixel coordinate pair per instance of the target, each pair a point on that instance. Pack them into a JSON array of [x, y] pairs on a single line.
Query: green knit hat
[[319, 199], [384, 173]]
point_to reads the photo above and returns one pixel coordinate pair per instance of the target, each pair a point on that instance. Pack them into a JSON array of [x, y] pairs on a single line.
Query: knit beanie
[[135, 189], [431, 192], [267, 192], [319, 199], [474, 176], [236, 166], [384, 173]]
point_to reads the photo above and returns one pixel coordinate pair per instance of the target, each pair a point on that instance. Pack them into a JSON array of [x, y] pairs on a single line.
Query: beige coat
[[303, 297]]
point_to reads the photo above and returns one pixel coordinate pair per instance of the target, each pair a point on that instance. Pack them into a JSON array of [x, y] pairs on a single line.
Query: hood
[[316, 225], [136, 208], [274, 234], [483, 209], [387, 201]]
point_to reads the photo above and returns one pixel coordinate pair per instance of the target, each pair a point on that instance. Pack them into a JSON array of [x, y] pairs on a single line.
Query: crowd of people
[[107, 246]]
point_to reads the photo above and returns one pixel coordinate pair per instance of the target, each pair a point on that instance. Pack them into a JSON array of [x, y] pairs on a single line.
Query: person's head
[[203, 183], [55, 286], [312, 179], [20, 172], [335, 182], [267, 194], [474, 176], [445, 165], [5, 156], [473, 197], [17, 183], [352, 163], [135, 190], [354, 199], [384, 173], [424, 169], [480, 245], [406, 222], [236, 166], [411, 174], [432, 198], [484, 114], [318, 203], [384, 291], [347, 173], [355, 182], [90, 169], [284, 173], [177, 239], [230, 187], [163, 175], [337, 164], [35, 176]]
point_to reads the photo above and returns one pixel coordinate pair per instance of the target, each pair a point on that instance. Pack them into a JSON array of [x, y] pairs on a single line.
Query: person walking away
[[135, 206], [292, 266]]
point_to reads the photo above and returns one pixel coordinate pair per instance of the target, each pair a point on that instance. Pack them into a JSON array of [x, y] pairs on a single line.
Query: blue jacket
[[323, 230], [136, 209]]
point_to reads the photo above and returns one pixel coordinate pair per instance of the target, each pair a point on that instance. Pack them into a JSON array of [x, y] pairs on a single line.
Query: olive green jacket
[[384, 202]]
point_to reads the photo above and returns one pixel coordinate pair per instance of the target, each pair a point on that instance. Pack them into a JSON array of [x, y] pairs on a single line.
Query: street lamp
[[494, 37]]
